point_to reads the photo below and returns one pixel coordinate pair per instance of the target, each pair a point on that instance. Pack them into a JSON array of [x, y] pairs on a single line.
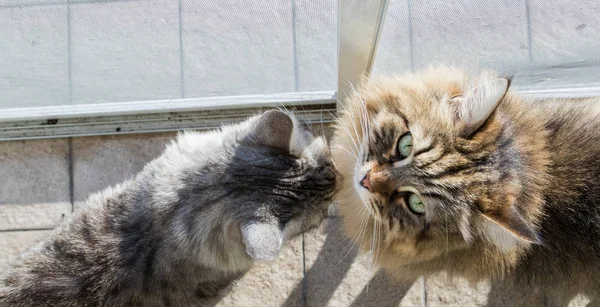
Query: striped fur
[[185, 228], [514, 198]]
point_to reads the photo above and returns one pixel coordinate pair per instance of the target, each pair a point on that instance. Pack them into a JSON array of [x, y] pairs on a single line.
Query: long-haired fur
[[510, 185]]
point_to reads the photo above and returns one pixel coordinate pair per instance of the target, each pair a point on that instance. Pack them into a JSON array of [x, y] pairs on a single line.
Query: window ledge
[[158, 115]]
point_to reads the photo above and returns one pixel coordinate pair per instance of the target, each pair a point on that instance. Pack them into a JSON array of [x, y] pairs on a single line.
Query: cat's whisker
[[373, 245], [352, 120], [333, 115], [377, 241], [353, 241], [364, 152], [284, 107], [365, 213], [356, 147], [353, 155], [322, 124], [294, 110], [362, 105], [365, 116], [362, 121]]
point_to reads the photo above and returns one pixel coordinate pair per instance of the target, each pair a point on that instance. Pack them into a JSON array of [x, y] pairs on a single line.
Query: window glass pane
[[54, 52]]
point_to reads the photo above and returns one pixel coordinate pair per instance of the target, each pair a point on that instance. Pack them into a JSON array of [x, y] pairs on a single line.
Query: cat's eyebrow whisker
[[362, 120], [365, 116], [363, 108], [364, 124], [364, 151], [351, 119], [356, 147]]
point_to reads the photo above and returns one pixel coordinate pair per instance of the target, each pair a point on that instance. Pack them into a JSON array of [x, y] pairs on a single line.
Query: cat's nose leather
[[378, 180], [366, 182]]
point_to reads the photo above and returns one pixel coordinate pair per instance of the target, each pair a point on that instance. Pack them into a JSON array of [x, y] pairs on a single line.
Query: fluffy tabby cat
[[447, 171], [187, 226]]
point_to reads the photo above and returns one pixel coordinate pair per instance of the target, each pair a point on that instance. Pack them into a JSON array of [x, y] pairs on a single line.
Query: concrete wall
[[92, 51], [39, 179]]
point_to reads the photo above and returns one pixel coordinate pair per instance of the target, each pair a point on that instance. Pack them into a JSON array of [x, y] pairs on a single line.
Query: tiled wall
[[43, 180], [62, 52]]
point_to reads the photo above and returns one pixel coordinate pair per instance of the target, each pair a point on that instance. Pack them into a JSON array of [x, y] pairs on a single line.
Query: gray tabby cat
[[186, 227]]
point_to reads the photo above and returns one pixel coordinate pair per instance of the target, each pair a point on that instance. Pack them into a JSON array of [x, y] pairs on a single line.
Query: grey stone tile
[[33, 57], [470, 33], [271, 283], [564, 31], [34, 186], [337, 276], [28, 3], [100, 162], [236, 47], [13, 243], [33, 216], [393, 55], [316, 44], [25, 3], [442, 291], [125, 51], [500, 296]]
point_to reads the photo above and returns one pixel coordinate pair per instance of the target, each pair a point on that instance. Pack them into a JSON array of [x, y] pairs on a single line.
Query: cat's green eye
[[405, 144], [415, 204]]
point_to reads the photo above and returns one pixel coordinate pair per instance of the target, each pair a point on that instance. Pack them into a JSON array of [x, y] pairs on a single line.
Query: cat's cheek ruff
[[498, 236], [464, 226]]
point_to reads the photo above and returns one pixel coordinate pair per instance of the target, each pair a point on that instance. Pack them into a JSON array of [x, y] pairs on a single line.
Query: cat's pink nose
[[366, 182]]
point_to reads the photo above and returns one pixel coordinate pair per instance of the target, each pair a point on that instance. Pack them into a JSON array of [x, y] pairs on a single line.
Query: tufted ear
[[506, 227], [477, 104], [263, 240], [274, 129]]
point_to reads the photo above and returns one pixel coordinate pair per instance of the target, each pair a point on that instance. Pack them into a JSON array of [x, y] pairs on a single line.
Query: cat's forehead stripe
[[403, 119]]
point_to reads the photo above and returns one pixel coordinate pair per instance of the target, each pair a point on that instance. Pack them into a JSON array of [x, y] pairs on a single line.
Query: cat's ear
[[506, 227], [477, 104], [263, 240], [274, 129]]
